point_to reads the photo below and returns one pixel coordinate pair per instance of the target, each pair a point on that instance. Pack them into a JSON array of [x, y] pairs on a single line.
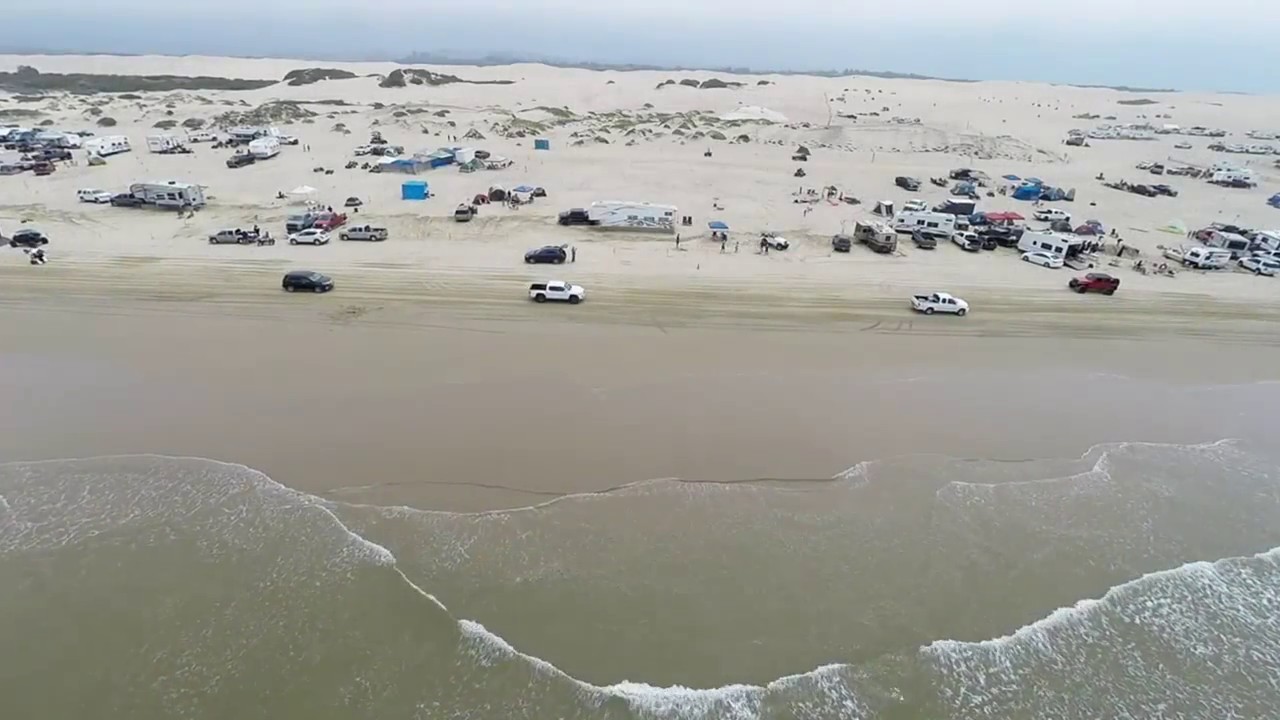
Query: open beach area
[[729, 484]]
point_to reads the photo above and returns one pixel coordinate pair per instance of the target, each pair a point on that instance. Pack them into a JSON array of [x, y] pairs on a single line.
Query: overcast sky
[[1218, 45]]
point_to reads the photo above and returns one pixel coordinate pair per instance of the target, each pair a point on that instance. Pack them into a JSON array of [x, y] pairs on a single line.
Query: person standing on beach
[[723, 241], [735, 247], [677, 241], [573, 253]]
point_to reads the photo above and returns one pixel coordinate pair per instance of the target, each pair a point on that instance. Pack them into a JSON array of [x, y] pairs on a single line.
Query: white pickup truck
[[364, 232], [939, 302], [556, 290]]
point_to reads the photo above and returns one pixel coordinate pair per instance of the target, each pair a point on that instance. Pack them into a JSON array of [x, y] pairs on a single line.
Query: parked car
[[923, 240], [298, 223], [909, 184], [915, 206], [329, 220], [553, 254], [126, 200], [775, 242], [841, 243], [306, 280], [1051, 214], [233, 237], [1043, 259], [556, 290], [967, 241], [94, 195], [939, 302], [240, 160], [364, 150], [576, 216], [1260, 265], [364, 232], [1095, 282], [1003, 235], [310, 236], [28, 238]]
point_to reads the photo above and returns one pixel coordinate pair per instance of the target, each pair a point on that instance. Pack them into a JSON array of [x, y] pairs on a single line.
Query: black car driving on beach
[[307, 281], [553, 254], [28, 238]]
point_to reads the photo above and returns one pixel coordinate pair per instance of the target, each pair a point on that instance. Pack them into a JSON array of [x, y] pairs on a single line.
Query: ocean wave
[[971, 673]]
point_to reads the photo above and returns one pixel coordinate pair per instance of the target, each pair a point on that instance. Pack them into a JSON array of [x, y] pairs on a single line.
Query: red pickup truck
[[329, 221]]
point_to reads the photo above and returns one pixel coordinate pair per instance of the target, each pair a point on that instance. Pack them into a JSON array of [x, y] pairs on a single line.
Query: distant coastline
[[497, 59]]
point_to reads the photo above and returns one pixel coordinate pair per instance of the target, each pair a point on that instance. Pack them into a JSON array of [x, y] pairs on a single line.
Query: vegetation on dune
[[165, 124], [276, 111], [193, 123], [106, 122], [1139, 101], [402, 77], [27, 79], [307, 76]]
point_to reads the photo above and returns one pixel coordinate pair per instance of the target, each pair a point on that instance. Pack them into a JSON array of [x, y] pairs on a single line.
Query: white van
[[1206, 258], [940, 226]]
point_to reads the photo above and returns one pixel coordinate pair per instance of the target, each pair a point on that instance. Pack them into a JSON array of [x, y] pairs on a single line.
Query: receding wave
[[209, 589]]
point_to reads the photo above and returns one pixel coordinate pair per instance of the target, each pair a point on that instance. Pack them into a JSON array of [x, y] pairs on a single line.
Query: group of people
[[37, 256]]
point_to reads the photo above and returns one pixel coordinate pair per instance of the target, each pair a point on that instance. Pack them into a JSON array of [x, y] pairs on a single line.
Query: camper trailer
[[162, 143], [168, 194], [107, 145], [264, 147], [934, 224], [1233, 243], [633, 215], [1231, 177], [1064, 246]]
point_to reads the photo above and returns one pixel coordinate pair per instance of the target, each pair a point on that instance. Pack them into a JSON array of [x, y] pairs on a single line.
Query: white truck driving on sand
[[556, 290], [939, 302]]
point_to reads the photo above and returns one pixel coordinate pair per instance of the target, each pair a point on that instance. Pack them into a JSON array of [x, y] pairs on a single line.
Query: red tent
[[1004, 217]]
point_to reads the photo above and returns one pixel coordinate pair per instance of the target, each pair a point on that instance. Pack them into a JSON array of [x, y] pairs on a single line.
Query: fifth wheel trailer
[[633, 215]]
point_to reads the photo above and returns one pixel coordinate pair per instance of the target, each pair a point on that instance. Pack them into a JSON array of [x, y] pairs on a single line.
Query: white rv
[[264, 147], [633, 215], [935, 224], [1064, 246], [107, 145], [162, 143], [170, 194], [1228, 177]]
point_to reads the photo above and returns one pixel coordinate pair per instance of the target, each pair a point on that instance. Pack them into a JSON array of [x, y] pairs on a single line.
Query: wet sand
[[457, 407]]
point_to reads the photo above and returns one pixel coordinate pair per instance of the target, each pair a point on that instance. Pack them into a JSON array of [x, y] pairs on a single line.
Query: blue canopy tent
[[719, 231], [718, 225], [1026, 192]]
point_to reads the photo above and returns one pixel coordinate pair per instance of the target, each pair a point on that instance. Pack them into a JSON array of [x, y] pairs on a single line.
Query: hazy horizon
[[1096, 43]]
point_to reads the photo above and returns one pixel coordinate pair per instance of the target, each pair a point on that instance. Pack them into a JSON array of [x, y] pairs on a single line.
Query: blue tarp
[[413, 190], [523, 189], [717, 225], [1274, 201], [1010, 177]]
